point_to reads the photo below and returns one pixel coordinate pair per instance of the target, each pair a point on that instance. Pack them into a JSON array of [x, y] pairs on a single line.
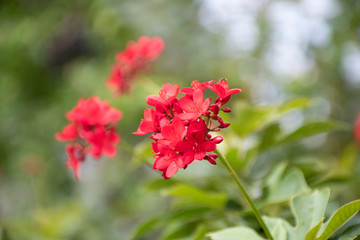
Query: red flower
[[223, 91], [149, 123], [172, 133], [138, 53], [195, 85], [195, 107], [166, 95], [93, 124], [102, 140], [196, 143], [181, 127], [134, 60], [93, 112], [167, 161]]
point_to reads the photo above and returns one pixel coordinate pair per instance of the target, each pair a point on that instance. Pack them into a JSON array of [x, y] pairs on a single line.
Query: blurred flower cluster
[[134, 60], [92, 131]]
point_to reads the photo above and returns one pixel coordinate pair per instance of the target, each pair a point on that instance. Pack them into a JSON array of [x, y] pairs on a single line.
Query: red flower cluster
[[181, 127], [133, 60], [92, 130]]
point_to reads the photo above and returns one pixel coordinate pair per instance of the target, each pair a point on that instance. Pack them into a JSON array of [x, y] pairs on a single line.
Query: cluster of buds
[[181, 127], [135, 59], [92, 130]]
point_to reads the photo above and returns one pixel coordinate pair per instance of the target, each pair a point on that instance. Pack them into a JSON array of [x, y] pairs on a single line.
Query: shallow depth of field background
[[54, 52]]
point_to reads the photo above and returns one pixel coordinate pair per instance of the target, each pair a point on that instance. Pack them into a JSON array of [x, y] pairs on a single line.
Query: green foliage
[[186, 194], [307, 209], [313, 128], [281, 187], [235, 233], [340, 217]]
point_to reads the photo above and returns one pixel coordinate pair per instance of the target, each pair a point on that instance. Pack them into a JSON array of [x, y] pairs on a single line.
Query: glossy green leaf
[[235, 233], [147, 227], [313, 128], [340, 217], [250, 118], [189, 194]]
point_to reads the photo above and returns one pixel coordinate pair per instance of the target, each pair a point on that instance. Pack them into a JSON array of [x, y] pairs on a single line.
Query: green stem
[[245, 193]]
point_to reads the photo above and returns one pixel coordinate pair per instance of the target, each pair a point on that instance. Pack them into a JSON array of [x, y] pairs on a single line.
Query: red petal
[[188, 157], [187, 116], [154, 100], [200, 155], [183, 146], [171, 170], [161, 163], [208, 146], [198, 97], [187, 104]]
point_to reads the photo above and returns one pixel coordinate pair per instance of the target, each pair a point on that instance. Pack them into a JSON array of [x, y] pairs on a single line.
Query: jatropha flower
[[135, 59], [92, 130], [181, 128]]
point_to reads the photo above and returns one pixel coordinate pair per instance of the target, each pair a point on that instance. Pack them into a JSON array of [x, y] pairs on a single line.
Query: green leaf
[[295, 103], [188, 214], [270, 137], [307, 209], [250, 118], [200, 232], [189, 194], [282, 187], [340, 217], [235, 233], [178, 230], [147, 227], [313, 128], [348, 159], [161, 184], [278, 230]]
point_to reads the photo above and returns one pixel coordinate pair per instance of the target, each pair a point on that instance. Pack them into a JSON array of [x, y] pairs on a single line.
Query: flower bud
[[215, 117], [217, 139], [213, 155], [227, 110], [215, 109], [210, 157], [220, 120], [224, 125]]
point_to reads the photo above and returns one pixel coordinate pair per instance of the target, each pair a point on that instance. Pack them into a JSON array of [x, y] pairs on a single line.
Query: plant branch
[[245, 193]]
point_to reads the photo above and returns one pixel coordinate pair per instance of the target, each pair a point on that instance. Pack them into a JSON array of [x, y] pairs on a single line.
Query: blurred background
[[54, 52]]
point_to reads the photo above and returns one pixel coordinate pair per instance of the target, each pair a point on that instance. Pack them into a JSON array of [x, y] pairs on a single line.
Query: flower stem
[[245, 193]]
